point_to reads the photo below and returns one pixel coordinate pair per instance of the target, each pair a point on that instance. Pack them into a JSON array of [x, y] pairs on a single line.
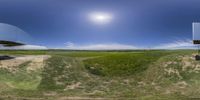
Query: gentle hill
[[104, 75]]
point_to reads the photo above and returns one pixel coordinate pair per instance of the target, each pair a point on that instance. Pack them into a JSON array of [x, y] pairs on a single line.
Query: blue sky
[[132, 23]]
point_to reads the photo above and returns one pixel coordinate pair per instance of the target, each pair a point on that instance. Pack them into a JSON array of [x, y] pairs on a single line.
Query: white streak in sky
[[178, 44], [24, 47], [112, 46]]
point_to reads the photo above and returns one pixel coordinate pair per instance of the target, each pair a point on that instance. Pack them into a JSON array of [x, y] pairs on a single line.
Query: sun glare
[[100, 18]]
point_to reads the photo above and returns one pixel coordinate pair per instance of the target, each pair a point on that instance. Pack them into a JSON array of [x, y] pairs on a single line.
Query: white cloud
[[69, 45], [24, 47], [111, 46], [178, 44]]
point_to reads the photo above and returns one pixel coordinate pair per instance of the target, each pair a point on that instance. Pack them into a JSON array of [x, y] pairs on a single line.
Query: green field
[[145, 75]]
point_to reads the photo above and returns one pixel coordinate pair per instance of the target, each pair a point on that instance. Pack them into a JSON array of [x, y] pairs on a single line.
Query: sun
[[101, 18]]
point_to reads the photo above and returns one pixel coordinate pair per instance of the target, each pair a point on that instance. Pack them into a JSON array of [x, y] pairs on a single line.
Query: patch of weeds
[[57, 74], [20, 79], [122, 64], [95, 70]]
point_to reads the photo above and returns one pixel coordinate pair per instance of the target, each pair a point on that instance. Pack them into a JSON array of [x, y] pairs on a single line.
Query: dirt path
[[61, 98], [36, 62]]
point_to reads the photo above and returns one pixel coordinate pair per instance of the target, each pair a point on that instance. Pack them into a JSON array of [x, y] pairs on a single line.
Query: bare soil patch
[[37, 61]]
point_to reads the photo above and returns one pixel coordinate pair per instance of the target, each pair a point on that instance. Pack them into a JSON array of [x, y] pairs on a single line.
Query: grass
[[121, 64], [113, 74], [20, 79], [56, 77]]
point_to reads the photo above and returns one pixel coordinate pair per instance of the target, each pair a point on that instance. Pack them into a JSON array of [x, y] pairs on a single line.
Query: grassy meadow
[[145, 75]]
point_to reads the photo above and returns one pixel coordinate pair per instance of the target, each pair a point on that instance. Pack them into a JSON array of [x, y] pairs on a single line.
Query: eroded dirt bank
[[36, 62]]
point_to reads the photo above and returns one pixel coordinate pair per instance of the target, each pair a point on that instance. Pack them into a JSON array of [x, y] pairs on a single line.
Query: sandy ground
[[36, 62]]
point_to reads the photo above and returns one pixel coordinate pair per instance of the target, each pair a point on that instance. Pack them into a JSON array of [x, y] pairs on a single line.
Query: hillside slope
[[107, 75]]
